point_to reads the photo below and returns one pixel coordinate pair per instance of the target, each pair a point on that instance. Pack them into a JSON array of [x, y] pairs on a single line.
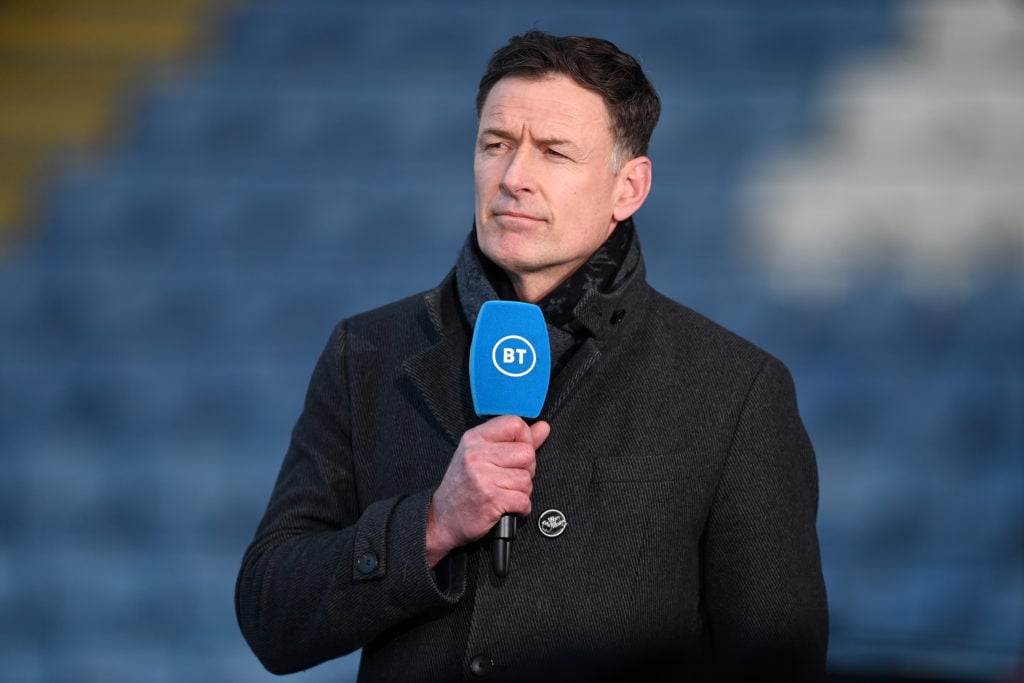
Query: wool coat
[[677, 459]]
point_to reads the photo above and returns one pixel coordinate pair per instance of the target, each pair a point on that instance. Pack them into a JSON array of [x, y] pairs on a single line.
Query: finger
[[517, 480], [521, 456], [540, 432], [508, 493], [517, 503], [505, 428]]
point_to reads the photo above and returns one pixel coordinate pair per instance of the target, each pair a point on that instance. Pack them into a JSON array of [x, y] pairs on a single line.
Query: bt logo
[[514, 356]]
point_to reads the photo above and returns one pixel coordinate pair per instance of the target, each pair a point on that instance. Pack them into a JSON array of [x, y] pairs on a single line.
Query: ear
[[632, 185]]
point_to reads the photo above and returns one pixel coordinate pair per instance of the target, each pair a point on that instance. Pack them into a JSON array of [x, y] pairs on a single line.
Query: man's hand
[[490, 474]]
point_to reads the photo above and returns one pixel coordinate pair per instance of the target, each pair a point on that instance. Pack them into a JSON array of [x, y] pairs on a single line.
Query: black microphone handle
[[501, 544]]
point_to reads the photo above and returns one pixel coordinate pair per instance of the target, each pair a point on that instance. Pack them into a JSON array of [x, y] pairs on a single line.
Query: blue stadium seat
[[160, 328]]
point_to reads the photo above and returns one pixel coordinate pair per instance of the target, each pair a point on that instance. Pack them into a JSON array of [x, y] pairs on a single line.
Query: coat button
[[617, 317], [481, 665], [367, 563]]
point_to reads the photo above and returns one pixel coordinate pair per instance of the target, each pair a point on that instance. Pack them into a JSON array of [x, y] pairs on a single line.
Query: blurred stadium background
[[193, 192]]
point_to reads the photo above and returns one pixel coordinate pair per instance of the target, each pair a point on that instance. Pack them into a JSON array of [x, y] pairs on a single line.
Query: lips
[[516, 215]]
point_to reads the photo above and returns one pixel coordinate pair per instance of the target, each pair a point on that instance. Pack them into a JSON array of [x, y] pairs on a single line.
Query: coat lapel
[[565, 383], [440, 373]]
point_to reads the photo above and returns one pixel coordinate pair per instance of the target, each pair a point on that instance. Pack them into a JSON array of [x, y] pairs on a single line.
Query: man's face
[[545, 191]]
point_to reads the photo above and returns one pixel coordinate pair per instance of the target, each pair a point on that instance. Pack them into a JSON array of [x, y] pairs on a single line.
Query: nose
[[520, 173]]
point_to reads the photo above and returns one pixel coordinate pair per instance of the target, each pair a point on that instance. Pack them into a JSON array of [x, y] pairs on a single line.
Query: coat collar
[[440, 373]]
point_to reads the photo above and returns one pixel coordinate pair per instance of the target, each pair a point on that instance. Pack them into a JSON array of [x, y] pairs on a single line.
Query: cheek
[[479, 178], [489, 169], [482, 174]]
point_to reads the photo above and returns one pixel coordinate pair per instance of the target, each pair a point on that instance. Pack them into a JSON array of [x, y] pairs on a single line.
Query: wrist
[[436, 542]]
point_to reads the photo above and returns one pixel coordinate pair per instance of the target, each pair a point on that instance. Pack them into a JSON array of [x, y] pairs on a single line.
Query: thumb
[[540, 432]]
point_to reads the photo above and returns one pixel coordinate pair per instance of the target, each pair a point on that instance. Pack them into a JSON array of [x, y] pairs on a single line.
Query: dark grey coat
[[676, 454]]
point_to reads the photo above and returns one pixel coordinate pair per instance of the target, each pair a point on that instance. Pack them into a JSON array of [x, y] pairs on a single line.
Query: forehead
[[552, 104]]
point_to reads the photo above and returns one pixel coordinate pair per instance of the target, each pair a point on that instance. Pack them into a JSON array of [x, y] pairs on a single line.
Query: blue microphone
[[509, 371]]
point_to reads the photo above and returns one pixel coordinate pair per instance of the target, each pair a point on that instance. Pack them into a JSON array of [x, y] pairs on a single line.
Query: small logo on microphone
[[514, 356], [552, 523]]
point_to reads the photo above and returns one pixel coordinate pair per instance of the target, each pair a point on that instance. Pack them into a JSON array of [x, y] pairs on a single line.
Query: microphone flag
[[509, 360]]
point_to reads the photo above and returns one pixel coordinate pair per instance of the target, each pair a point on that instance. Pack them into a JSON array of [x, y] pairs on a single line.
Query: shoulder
[[689, 355], [682, 333], [391, 314], [415, 319]]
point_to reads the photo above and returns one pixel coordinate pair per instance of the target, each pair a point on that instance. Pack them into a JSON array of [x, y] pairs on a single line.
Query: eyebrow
[[497, 133], [548, 142]]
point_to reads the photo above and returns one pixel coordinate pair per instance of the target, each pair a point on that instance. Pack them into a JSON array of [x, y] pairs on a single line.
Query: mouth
[[516, 216]]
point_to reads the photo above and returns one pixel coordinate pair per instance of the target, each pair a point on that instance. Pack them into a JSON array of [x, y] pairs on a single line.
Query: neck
[[532, 287], [545, 287]]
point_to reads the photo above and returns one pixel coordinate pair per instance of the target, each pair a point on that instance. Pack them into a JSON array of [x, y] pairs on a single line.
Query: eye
[[555, 153]]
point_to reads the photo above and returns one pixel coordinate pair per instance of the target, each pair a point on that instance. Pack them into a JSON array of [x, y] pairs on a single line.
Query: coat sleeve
[[324, 575], [764, 590]]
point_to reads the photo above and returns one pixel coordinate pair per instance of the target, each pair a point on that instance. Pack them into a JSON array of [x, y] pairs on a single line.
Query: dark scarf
[[479, 279]]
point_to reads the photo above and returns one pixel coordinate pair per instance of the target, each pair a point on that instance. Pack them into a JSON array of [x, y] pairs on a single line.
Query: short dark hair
[[593, 63]]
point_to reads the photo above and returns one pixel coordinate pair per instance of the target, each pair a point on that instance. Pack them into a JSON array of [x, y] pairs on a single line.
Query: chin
[[501, 246], [512, 261]]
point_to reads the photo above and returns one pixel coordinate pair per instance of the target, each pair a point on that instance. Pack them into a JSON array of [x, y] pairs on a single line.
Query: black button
[[481, 665], [617, 316], [367, 563]]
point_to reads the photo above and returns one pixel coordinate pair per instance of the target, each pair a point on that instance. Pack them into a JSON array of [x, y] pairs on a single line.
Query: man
[[667, 494]]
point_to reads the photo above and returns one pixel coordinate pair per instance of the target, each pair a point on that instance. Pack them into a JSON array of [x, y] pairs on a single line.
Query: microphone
[[509, 371]]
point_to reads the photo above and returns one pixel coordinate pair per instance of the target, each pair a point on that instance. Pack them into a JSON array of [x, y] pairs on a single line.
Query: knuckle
[[487, 497], [527, 506], [476, 480]]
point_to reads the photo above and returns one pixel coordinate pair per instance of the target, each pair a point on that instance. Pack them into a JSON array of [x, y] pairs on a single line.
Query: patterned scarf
[[479, 279]]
